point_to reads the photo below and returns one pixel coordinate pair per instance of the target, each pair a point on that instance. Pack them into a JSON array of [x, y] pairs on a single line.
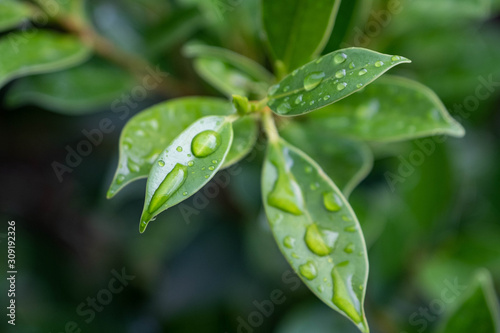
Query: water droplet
[[339, 58], [308, 169], [205, 143], [340, 74], [360, 287], [184, 193], [379, 63], [352, 65], [203, 169], [289, 242], [120, 179], [190, 163], [341, 86], [362, 72], [132, 166], [326, 97], [346, 218], [298, 99], [172, 182], [214, 161], [273, 89], [308, 270], [344, 296], [206, 176], [359, 85], [295, 71], [161, 163], [286, 195], [319, 60], [286, 88], [179, 149], [349, 248], [311, 103], [211, 168], [320, 242], [295, 255], [314, 186], [283, 108], [321, 289], [313, 80], [332, 201], [396, 58], [350, 229]]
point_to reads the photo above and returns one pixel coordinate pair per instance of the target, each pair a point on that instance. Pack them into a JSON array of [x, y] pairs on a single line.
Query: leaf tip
[[145, 218]]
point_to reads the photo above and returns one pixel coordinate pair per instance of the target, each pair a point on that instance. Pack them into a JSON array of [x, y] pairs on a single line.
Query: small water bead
[[273, 89], [206, 176], [308, 169], [326, 97], [132, 166], [321, 289], [289, 242], [360, 287], [120, 179], [349, 248], [283, 108], [359, 85], [286, 88], [379, 63], [313, 80], [352, 65], [295, 255], [179, 149], [203, 169], [172, 182], [214, 161], [311, 103], [287, 98], [161, 163], [184, 193], [188, 155], [295, 71], [332, 201], [308, 270], [205, 143], [346, 218], [362, 72], [350, 229], [314, 186], [340, 74], [298, 99], [339, 58], [341, 86], [396, 58], [190, 163], [211, 168], [319, 60], [320, 242]]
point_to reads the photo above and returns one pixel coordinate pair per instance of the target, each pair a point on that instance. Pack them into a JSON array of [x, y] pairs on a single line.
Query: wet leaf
[[347, 162], [187, 164], [297, 30], [390, 109], [75, 91], [478, 312], [148, 133], [229, 72], [38, 51], [328, 79], [316, 230], [12, 13]]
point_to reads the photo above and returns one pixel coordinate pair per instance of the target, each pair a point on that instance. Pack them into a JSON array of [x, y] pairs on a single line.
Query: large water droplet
[[320, 242], [298, 99], [339, 58], [205, 143], [344, 296], [172, 182], [286, 195], [308, 270], [313, 80], [362, 72], [190, 163], [396, 58], [379, 63], [283, 108], [289, 242], [120, 179], [332, 201], [340, 74], [341, 86]]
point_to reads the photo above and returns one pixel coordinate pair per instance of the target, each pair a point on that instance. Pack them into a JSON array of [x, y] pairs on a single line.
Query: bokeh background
[[202, 275]]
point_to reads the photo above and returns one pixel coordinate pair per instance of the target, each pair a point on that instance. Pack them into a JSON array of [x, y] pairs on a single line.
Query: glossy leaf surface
[[390, 109], [38, 51], [75, 91], [187, 164], [328, 79], [148, 133], [297, 30], [345, 161], [316, 229], [479, 311], [229, 72], [12, 13]]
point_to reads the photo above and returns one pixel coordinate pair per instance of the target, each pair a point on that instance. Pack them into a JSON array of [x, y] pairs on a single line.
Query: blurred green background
[[207, 274]]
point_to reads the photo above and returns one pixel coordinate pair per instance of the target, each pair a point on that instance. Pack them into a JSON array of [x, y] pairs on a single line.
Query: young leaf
[[328, 79], [345, 161], [479, 311], [38, 51], [390, 109], [229, 72], [297, 30], [75, 91], [12, 13], [187, 164], [147, 134], [316, 229]]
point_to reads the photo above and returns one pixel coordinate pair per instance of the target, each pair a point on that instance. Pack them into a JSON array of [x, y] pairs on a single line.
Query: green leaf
[[297, 30], [187, 164], [390, 109], [479, 311], [229, 72], [329, 79], [61, 8], [75, 91], [38, 51], [316, 230], [345, 161], [12, 13], [147, 134]]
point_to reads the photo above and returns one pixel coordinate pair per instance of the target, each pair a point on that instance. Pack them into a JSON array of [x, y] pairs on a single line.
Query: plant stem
[[269, 125]]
